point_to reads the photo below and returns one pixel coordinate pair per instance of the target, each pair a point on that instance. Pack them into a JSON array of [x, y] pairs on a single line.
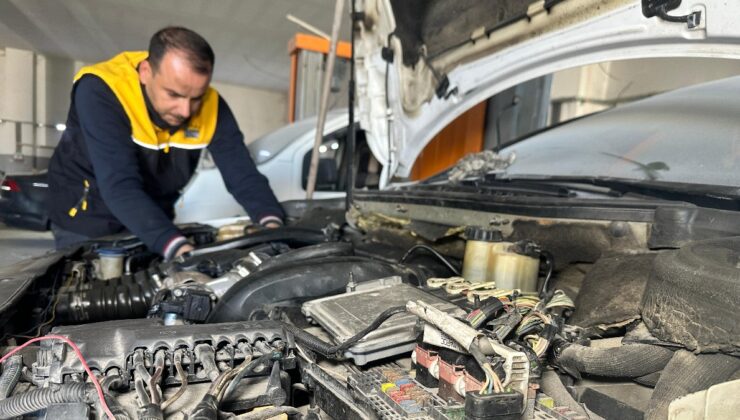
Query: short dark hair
[[199, 53]]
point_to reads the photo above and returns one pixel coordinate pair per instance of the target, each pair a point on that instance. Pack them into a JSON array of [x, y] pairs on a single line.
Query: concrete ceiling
[[249, 37]]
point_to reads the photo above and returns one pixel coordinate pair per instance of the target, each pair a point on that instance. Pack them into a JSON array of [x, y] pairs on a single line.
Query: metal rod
[[307, 26], [352, 138], [38, 146], [313, 170], [34, 117]]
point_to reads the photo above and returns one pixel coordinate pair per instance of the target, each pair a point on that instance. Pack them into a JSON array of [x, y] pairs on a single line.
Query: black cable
[[434, 252], [384, 316], [336, 351], [119, 413], [11, 374], [692, 19], [110, 381], [550, 262], [247, 369], [489, 309], [37, 399]]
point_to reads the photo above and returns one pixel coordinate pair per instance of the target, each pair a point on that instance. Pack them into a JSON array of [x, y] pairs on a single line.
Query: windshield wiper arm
[[702, 195], [514, 186]]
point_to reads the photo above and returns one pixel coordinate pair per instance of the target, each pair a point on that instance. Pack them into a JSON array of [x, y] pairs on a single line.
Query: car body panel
[[613, 33]]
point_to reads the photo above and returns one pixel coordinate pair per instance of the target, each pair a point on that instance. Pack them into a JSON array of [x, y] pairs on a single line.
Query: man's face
[[174, 89]]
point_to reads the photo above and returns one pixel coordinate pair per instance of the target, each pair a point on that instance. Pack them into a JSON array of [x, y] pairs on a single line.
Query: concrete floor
[[20, 244]]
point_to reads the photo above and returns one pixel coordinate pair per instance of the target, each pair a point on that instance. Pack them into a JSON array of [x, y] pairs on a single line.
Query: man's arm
[[107, 134], [248, 186]]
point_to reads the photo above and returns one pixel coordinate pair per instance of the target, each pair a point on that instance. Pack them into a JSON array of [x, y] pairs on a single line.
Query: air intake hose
[[687, 373], [625, 361], [123, 298], [327, 249]]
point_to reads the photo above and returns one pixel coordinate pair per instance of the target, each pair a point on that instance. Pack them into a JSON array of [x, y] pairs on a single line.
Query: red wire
[[79, 356]]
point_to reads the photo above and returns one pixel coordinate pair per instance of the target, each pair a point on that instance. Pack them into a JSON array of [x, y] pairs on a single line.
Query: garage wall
[[16, 105], [257, 111], [595, 87]]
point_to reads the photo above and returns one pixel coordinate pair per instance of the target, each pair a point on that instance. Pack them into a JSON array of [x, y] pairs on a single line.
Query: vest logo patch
[[192, 133]]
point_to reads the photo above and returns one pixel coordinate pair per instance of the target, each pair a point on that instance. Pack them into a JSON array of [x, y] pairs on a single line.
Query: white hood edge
[[619, 34]]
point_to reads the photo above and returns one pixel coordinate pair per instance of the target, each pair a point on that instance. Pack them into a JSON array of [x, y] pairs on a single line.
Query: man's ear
[[145, 72]]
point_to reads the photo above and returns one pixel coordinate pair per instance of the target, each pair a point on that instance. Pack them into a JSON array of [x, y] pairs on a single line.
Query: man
[[135, 131]]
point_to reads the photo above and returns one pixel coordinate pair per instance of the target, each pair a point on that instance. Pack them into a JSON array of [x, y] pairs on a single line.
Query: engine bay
[[379, 318]]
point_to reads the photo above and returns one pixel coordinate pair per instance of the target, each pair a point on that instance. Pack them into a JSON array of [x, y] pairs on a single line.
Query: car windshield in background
[[690, 135]]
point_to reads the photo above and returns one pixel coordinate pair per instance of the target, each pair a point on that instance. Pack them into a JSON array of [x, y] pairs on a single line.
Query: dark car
[[22, 201]]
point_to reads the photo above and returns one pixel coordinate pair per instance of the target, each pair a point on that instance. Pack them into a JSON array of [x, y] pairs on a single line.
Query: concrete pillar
[[16, 101], [35, 91], [53, 87]]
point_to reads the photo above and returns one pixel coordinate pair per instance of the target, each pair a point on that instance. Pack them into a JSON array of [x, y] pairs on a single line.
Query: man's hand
[[256, 228], [183, 249]]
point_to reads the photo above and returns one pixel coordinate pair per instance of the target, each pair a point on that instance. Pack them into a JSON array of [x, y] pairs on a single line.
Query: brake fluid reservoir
[[515, 266], [478, 253]]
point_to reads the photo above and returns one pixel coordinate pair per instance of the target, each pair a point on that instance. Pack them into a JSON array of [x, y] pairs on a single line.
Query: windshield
[[690, 135]]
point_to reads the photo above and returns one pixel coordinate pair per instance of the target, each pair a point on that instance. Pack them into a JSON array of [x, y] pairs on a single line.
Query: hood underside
[[420, 64]]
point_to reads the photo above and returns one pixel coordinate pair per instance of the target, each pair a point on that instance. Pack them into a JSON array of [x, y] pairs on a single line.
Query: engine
[[343, 322]]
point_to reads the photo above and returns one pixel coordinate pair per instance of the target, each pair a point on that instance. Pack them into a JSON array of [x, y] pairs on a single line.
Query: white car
[[283, 156]]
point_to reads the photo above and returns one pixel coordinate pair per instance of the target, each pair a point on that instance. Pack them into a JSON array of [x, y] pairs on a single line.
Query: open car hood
[[422, 63]]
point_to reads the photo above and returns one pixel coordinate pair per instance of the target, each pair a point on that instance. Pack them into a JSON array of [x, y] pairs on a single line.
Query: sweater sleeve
[[107, 133], [248, 186]]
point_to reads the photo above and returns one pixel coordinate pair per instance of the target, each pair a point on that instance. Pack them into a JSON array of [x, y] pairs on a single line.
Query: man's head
[[177, 73]]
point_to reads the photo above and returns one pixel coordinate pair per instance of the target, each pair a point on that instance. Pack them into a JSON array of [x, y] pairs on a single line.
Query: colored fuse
[[416, 391], [397, 394], [403, 381], [546, 402], [387, 386], [421, 399], [406, 387], [413, 410], [410, 406]]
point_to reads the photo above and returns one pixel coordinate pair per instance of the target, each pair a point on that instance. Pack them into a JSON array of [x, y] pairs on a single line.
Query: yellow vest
[[121, 75]]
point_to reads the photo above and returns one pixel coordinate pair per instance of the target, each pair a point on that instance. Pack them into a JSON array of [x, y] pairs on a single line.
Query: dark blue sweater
[[134, 188]]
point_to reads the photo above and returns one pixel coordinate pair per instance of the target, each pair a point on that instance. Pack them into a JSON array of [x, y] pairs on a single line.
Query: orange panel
[[309, 43], [316, 43], [292, 89], [462, 136]]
